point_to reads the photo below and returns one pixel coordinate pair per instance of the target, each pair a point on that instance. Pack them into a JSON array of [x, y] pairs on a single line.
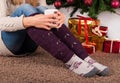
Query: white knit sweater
[[8, 23]]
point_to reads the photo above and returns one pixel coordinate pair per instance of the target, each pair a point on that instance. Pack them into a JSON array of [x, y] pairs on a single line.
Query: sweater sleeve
[[11, 23]]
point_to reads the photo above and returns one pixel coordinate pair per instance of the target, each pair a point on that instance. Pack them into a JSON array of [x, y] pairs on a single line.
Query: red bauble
[[88, 2], [70, 1], [115, 3], [57, 3]]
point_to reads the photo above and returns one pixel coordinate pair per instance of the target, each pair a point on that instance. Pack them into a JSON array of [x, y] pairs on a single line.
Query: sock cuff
[[73, 59], [87, 58]]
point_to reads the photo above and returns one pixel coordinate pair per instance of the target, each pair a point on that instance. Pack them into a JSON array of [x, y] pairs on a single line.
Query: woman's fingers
[[51, 25], [48, 21], [53, 16]]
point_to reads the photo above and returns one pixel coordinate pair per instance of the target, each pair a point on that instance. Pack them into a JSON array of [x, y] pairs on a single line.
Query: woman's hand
[[61, 18], [41, 21], [45, 21]]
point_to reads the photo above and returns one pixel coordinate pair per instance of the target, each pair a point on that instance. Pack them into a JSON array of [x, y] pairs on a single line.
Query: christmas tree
[[92, 7]]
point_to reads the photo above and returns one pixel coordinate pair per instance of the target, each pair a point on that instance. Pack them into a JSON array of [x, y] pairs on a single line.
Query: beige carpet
[[42, 68]]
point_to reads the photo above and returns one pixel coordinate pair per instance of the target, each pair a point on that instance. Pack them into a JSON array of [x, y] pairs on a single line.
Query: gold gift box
[[99, 42], [73, 24], [90, 23]]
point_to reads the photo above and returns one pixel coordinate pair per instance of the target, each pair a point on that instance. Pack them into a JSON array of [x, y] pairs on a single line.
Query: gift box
[[99, 41], [73, 24], [103, 30], [100, 30], [82, 26], [90, 48], [112, 46], [77, 25], [80, 38]]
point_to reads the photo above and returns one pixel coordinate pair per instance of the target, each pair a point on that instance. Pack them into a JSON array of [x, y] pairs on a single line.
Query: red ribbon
[[85, 26]]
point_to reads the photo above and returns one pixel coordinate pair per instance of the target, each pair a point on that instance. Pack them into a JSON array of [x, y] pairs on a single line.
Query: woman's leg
[[28, 10], [28, 46], [24, 9], [41, 9], [52, 44], [47, 40], [67, 37], [14, 41]]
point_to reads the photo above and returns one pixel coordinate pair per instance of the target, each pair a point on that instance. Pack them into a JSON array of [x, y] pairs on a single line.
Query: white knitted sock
[[81, 67], [103, 70]]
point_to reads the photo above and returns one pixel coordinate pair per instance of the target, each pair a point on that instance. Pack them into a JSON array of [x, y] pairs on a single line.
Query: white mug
[[50, 11]]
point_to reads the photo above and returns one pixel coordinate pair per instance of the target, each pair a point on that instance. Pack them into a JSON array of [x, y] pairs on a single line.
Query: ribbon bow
[[85, 27]]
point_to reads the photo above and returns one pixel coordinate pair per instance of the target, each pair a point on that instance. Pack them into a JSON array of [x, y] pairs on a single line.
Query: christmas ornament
[[88, 2], [115, 3], [92, 7], [58, 3], [70, 1]]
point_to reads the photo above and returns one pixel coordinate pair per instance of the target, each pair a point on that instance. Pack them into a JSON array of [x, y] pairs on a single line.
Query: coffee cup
[[50, 11]]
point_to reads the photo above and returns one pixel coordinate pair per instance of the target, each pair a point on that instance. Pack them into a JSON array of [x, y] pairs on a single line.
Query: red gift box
[[112, 46], [103, 30], [100, 30], [89, 48]]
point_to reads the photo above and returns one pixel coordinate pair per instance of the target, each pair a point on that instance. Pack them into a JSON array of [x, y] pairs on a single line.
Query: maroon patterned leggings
[[60, 43]]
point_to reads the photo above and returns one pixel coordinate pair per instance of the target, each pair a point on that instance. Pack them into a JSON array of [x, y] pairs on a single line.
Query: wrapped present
[[112, 46], [103, 30], [98, 41], [81, 26], [100, 30], [76, 28], [82, 38], [90, 48]]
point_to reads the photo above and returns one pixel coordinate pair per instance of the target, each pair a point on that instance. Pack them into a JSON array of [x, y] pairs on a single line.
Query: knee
[[27, 9], [25, 5], [41, 9]]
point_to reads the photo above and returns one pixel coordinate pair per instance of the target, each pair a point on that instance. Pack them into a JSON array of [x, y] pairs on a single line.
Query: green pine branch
[[97, 7]]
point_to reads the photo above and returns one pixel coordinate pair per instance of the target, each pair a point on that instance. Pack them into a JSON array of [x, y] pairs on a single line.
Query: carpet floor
[[43, 68]]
